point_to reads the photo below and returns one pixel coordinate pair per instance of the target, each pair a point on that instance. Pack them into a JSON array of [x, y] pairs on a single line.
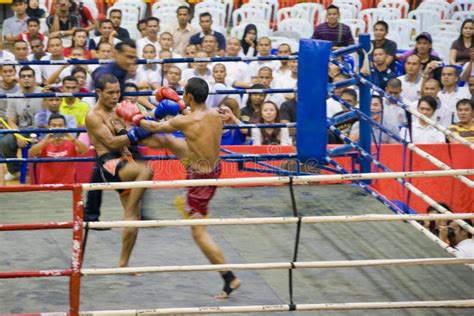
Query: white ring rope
[[438, 163], [274, 180], [286, 308], [278, 220], [280, 265]]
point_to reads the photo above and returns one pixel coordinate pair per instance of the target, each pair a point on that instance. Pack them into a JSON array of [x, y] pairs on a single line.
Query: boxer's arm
[[177, 123], [98, 129]]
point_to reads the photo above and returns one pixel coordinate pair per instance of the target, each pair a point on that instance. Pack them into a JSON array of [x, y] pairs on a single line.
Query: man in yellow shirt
[[465, 127], [73, 105]]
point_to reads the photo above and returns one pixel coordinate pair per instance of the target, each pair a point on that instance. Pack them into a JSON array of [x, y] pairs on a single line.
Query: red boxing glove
[[129, 112], [181, 104], [166, 93]]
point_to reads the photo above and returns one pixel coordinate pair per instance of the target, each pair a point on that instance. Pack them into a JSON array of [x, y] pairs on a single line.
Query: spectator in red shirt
[[32, 31], [80, 38], [57, 145]]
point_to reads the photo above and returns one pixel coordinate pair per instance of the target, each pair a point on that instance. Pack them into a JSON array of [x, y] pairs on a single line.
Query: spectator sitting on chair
[[433, 226], [107, 35], [350, 96], [412, 80], [32, 31], [424, 50], [394, 117], [235, 69], [152, 30], [288, 110], [8, 84], [141, 27], [380, 41], [62, 23], [115, 15], [34, 11], [431, 87], [339, 34], [460, 49], [421, 132], [73, 105], [459, 238], [37, 49], [80, 38], [379, 73], [17, 23], [269, 114], [451, 93], [250, 113], [20, 114], [183, 30], [57, 145], [173, 78], [230, 109], [50, 107], [264, 49], [205, 22], [283, 72], [465, 115], [249, 41], [468, 71], [152, 72]]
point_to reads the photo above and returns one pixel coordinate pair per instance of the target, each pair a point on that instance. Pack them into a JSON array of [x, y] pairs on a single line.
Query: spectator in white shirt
[[394, 117], [55, 47], [173, 78], [442, 116], [152, 72], [141, 27], [421, 132], [270, 114], [104, 51], [411, 81], [166, 44], [37, 49], [451, 93], [235, 69], [201, 70], [209, 45], [190, 52], [283, 71], [332, 106], [152, 29], [264, 48], [459, 238]]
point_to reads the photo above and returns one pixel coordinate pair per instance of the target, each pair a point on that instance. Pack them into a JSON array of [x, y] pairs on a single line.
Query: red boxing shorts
[[198, 198]]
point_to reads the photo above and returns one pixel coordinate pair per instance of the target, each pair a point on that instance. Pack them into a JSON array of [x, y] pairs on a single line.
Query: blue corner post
[[311, 137], [365, 100]]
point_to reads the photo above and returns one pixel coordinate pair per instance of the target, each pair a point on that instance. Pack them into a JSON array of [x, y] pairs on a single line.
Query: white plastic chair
[[278, 40], [167, 18], [140, 5], [316, 13], [264, 8], [129, 13], [300, 26], [454, 25], [357, 26], [374, 15], [442, 45], [228, 7], [401, 5], [354, 3], [244, 14], [274, 5], [132, 30], [443, 10], [217, 14], [462, 5], [204, 6], [426, 18], [395, 37], [348, 8], [291, 12], [262, 29], [407, 30], [462, 15]]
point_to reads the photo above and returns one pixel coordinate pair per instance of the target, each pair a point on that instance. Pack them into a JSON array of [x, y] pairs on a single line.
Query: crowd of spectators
[[441, 92]]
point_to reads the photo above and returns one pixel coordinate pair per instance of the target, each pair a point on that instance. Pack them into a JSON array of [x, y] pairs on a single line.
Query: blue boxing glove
[[167, 107], [137, 133]]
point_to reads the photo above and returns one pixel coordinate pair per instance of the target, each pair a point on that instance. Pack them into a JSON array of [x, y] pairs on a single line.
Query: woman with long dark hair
[[249, 41], [461, 47], [80, 38], [269, 114]]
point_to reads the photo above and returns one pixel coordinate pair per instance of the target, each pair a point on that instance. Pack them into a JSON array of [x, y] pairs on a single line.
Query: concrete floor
[[36, 250]]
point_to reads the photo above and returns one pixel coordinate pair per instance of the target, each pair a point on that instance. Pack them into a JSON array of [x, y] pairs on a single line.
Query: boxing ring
[[314, 244]]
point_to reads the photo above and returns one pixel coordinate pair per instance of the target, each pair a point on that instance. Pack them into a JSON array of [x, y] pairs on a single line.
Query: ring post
[[311, 138], [365, 100]]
